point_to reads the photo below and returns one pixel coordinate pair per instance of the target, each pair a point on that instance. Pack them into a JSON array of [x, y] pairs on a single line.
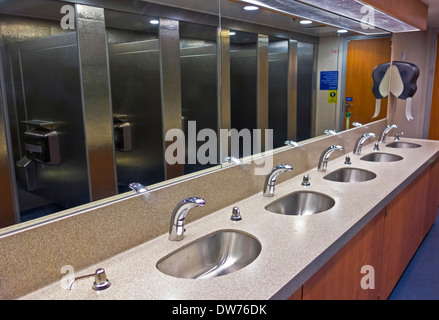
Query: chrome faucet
[[176, 228], [324, 157], [386, 131], [359, 144], [291, 143], [137, 187], [270, 179]]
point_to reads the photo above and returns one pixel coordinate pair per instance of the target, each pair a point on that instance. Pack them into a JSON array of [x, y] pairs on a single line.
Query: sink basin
[[350, 175], [214, 255], [301, 203], [381, 157], [400, 144]]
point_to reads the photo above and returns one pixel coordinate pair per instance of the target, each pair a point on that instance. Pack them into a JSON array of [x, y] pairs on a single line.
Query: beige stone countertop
[[293, 247]]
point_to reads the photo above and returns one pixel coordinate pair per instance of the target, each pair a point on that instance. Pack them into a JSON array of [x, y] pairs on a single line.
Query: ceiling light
[[305, 22], [232, 33], [251, 8], [342, 31], [154, 21]]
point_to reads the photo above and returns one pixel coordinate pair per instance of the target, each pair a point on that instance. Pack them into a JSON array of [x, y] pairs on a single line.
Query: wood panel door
[[362, 57], [434, 114]]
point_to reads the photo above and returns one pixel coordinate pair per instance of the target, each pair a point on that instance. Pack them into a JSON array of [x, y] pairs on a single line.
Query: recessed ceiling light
[[342, 31], [251, 8], [154, 21], [305, 22]]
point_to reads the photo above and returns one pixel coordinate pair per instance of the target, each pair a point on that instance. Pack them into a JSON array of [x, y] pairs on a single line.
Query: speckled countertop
[[293, 247]]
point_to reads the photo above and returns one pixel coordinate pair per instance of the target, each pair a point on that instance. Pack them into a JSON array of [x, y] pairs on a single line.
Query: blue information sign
[[329, 80], [349, 99]]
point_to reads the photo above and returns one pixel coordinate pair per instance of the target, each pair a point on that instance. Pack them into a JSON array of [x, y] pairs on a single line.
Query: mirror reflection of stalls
[[199, 95], [278, 65], [243, 84], [306, 88], [290, 65], [134, 63], [45, 112], [184, 89], [291, 71]]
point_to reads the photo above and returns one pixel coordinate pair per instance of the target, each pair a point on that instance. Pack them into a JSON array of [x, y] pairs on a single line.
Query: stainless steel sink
[[400, 144], [214, 255], [350, 175], [381, 157], [301, 203]]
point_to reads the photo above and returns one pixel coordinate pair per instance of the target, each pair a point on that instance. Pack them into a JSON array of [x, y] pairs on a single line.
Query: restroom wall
[[329, 55], [406, 46], [135, 92], [433, 132]]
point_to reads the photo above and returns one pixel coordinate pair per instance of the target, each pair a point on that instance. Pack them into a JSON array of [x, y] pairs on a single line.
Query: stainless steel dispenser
[[42, 144], [122, 133]]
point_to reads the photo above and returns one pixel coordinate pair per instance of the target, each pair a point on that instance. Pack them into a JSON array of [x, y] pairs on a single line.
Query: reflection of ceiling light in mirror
[[368, 16], [342, 31], [353, 15], [251, 8], [305, 22], [154, 21]]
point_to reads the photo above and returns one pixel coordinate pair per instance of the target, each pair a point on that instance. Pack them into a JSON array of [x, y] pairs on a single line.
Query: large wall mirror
[[94, 98]]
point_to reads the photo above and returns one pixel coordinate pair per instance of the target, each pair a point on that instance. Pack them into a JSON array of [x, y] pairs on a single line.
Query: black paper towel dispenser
[[409, 75], [378, 74]]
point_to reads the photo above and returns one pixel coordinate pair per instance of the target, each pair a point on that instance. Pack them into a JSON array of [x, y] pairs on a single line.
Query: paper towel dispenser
[[122, 133], [380, 87], [42, 146], [409, 74]]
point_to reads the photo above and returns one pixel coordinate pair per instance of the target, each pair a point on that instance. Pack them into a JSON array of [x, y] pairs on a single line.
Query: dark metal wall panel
[[292, 91], [92, 43], [199, 95], [170, 84], [135, 91], [224, 94], [51, 92], [305, 101], [278, 90], [43, 84], [262, 83], [7, 211], [243, 86]]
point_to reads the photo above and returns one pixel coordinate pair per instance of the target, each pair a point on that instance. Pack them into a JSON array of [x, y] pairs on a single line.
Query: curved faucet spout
[[176, 227], [359, 144], [324, 157], [270, 179], [386, 131]]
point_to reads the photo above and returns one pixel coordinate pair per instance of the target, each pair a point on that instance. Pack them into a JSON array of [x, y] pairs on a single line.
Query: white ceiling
[[433, 13]]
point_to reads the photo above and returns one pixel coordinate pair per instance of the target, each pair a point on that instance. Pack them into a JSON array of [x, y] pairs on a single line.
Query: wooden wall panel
[[434, 114]]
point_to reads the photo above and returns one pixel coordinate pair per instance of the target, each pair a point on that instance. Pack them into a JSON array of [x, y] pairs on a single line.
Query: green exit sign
[[348, 115]]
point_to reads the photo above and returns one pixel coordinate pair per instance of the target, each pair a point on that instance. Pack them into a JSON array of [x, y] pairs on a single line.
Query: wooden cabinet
[[341, 277], [404, 231], [409, 218], [384, 246]]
